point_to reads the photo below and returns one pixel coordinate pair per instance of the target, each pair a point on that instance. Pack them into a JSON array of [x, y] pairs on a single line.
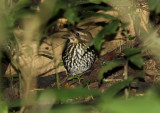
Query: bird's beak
[[68, 36], [65, 36]]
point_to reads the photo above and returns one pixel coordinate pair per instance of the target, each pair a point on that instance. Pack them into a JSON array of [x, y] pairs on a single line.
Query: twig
[[125, 74]]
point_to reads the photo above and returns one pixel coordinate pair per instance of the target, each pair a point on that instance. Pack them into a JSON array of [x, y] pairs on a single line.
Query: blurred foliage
[[64, 94], [71, 15], [3, 107], [77, 11], [135, 56], [107, 103], [61, 95], [148, 104], [154, 5], [110, 28]]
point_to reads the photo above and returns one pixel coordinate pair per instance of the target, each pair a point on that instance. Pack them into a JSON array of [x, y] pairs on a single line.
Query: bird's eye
[[77, 35]]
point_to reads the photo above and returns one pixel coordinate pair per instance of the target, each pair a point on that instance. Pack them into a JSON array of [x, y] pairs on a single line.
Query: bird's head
[[80, 37]]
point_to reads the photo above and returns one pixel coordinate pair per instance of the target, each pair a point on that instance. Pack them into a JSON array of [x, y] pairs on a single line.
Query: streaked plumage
[[77, 55]]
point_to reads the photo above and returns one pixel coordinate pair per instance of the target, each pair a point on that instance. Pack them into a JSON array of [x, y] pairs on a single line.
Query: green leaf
[[61, 64], [124, 25], [75, 77], [85, 83], [131, 37], [71, 15], [145, 104], [16, 103], [95, 1], [99, 7], [108, 29], [109, 66], [132, 51], [112, 27], [63, 94], [20, 4], [135, 56], [114, 89], [154, 5], [105, 1], [3, 107], [98, 42], [74, 108], [137, 60], [14, 76], [71, 78]]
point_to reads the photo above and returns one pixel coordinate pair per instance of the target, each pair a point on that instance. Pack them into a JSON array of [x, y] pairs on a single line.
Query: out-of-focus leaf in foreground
[[154, 5], [3, 107], [20, 4], [147, 104], [63, 94], [16, 103], [58, 94], [74, 109]]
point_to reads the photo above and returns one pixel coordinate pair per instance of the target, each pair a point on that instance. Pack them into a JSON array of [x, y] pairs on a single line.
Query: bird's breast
[[78, 58]]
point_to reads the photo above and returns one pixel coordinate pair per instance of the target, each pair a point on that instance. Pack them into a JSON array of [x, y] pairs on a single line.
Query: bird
[[78, 56]]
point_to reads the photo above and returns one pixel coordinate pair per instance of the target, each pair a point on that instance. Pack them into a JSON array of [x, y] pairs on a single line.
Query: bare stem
[[120, 46], [125, 74]]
